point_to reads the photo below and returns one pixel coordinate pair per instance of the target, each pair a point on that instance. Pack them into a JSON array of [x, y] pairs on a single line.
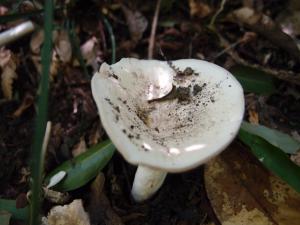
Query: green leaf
[[10, 206], [84, 167], [273, 158], [4, 217], [281, 140], [254, 80]]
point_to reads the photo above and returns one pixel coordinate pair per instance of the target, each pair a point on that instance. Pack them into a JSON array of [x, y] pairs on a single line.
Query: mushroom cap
[[172, 116]]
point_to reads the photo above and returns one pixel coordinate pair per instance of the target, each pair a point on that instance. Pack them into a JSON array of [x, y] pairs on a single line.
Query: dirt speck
[[197, 88]]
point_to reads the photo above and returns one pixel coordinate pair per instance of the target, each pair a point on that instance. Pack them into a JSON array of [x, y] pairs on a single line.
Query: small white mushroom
[[167, 116]]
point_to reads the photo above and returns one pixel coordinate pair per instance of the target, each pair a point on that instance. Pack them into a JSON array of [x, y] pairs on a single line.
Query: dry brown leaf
[[72, 214], [199, 8], [100, 209], [95, 134], [63, 46], [8, 64], [7, 77], [35, 45], [5, 57], [253, 117], [36, 41], [242, 191], [137, 23], [79, 148]]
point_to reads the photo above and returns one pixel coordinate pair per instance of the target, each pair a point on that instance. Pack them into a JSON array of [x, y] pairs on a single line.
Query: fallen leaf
[[242, 191], [100, 209], [89, 51], [253, 117], [36, 41], [63, 46], [137, 23], [72, 214], [79, 148], [8, 64], [199, 8], [5, 57], [95, 134]]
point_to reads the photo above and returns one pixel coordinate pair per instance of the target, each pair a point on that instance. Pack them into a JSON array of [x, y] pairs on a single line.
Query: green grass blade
[[40, 126], [10, 206], [75, 44], [112, 40], [281, 140], [273, 158], [84, 167], [254, 80]]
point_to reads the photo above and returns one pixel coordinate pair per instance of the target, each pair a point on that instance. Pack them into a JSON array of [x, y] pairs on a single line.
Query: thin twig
[[153, 30], [16, 32], [212, 22]]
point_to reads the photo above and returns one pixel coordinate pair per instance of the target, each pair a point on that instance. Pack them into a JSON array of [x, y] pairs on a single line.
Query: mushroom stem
[[146, 182]]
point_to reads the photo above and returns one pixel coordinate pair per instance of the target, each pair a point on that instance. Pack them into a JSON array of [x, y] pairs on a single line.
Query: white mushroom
[[167, 116]]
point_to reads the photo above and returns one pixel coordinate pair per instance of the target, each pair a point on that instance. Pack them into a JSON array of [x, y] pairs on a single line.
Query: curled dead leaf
[[8, 64]]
